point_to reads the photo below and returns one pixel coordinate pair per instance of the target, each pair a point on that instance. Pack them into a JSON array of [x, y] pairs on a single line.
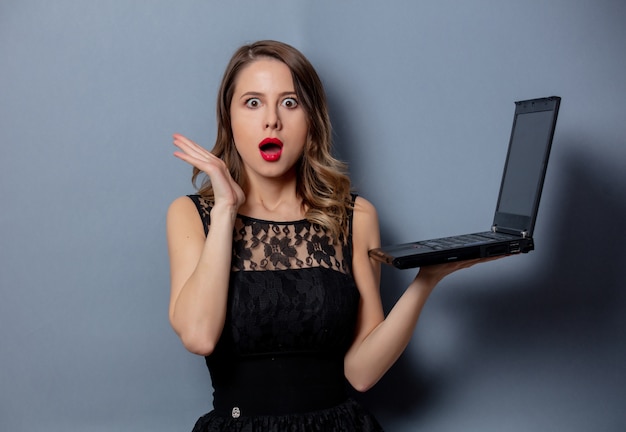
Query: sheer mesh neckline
[[264, 245], [260, 244]]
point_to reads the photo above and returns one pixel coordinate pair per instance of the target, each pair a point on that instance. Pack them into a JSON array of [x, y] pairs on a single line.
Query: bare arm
[[199, 266], [199, 275], [380, 341]]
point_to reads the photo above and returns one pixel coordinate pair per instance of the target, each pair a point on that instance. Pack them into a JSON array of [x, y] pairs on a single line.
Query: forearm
[[199, 309], [369, 360]]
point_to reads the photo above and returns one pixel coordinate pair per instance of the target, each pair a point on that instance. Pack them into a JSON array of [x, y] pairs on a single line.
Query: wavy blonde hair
[[322, 180]]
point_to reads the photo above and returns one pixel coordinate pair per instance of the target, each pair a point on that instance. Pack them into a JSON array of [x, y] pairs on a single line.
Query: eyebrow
[[256, 94]]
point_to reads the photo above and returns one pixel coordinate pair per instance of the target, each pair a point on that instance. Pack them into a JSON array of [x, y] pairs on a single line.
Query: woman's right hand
[[226, 191], [200, 263]]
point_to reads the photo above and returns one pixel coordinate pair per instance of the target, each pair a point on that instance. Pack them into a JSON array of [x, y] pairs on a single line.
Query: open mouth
[[271, 149]]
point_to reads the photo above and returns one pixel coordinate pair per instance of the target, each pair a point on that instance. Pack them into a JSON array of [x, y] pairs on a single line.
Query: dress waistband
[[278, 384]]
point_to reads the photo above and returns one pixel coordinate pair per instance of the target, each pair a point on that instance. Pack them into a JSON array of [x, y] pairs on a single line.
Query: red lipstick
[[271, 149]]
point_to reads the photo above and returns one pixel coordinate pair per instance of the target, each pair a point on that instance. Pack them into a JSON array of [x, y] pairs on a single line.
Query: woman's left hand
[[435, 273]]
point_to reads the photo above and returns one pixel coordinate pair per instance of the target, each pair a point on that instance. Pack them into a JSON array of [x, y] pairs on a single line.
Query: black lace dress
[[292, 310]]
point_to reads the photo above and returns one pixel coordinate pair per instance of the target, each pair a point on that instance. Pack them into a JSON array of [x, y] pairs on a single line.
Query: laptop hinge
[[497, 229]]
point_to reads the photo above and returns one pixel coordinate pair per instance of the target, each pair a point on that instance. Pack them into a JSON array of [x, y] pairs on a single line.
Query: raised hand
[[226, 191]]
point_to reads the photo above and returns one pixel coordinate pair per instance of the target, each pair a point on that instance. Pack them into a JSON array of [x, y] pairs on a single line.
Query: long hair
[[322, 181]]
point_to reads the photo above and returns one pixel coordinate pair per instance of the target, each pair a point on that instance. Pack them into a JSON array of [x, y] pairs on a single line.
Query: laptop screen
[[525, 167]]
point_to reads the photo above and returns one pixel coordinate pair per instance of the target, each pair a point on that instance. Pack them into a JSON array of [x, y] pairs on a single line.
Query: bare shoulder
[[365, 224], [183, 216], [181, 204], [361, 205]]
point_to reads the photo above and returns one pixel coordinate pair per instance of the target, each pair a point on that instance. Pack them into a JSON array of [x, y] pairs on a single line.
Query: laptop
[[511, 232]]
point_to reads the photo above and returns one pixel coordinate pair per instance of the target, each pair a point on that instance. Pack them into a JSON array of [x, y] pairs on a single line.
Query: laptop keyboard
[[464, 240]]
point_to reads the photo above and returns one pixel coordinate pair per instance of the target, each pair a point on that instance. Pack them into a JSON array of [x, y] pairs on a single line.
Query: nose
[[272, 118]]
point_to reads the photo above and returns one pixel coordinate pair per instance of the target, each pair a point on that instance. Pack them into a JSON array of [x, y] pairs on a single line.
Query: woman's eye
[[253, 102], [290, 103]]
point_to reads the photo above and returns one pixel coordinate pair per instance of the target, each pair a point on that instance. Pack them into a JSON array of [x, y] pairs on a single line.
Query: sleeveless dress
[[291, 316]]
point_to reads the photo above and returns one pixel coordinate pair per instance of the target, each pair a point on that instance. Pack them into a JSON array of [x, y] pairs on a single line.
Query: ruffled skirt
[[348, 416]]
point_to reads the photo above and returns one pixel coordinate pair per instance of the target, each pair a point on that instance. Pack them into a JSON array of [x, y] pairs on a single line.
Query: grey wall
[[422, 100]]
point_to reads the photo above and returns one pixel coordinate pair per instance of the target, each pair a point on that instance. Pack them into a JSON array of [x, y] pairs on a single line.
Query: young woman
[[270, 275]]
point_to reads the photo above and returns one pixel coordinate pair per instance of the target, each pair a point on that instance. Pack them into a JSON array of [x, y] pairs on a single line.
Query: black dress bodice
[[291, 316]]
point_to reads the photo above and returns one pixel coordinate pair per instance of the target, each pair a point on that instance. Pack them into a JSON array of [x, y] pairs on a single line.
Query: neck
[[273, 199]]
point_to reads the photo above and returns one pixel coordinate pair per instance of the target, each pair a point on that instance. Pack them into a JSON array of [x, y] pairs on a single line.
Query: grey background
[[422, 100]]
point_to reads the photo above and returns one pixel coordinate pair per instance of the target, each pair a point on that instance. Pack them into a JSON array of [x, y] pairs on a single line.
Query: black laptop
[[520, 191]]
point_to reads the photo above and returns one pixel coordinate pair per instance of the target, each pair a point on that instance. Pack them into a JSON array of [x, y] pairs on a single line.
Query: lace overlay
[[264, 245], [261, 245], [291, 316]]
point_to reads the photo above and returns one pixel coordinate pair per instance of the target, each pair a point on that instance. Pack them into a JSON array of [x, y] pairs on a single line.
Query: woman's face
[[269, 125]]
